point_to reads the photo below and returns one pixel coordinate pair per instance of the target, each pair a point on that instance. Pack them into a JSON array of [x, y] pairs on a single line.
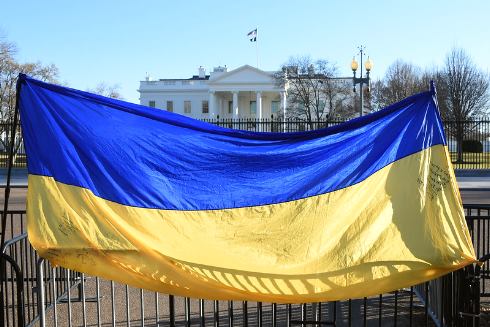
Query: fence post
[[468, 295], [40, 292], [19, 280], [2, 278]]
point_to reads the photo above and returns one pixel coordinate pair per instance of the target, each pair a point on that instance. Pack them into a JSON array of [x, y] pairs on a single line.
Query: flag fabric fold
[[164, 202]]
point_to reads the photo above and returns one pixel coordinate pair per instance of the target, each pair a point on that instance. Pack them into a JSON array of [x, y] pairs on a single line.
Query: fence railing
[[19, 151], [468, 141], [54, 296], [26, 295]]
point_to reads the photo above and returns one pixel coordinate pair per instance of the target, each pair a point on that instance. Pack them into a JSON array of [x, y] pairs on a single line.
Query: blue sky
[[117, 42]]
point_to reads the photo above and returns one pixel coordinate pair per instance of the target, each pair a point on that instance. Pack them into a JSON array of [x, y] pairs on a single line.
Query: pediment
[[244, 75]]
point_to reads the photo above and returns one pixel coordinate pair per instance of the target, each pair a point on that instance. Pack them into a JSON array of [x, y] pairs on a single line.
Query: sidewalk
[[18, 179], [467, 179], [473, 179], [474, 183]]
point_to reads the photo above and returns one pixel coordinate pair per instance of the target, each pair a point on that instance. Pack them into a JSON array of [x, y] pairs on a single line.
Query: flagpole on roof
[[252, 35]]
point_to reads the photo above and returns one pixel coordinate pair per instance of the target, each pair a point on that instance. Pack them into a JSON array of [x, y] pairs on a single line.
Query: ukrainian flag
[[164, 202]]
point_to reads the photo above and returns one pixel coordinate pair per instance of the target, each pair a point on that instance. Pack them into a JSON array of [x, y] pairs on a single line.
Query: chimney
[[202, 72]]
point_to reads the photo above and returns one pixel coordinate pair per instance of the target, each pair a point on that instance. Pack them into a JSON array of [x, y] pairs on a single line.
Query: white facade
[[245, 92]]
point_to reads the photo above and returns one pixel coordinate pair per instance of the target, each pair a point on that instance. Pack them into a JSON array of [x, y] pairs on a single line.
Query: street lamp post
[[360, 80]]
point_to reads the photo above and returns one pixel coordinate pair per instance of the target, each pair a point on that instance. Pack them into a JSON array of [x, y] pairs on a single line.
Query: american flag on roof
[[252, 35]]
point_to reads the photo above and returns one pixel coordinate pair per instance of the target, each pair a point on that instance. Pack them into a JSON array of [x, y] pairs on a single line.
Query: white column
[[283, 103], [235, 104], [220, 108], [283, 108], [212, 105], [258, 104]]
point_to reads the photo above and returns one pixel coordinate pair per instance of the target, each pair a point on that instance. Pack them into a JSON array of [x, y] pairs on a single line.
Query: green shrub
[[472, 146]]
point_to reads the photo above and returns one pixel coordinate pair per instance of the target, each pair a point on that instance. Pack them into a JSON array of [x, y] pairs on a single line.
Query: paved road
[[17, 200], [476, 196]]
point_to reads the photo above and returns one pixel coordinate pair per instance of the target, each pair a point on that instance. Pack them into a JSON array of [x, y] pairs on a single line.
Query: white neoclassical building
[[245, 92]]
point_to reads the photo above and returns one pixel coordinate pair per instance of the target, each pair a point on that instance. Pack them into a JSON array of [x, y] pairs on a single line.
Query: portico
[[246, 104], [246, 92]]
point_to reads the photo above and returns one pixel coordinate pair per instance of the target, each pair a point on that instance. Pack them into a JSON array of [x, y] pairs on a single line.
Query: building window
[[253, 108], [151, 103], [230, 107], [170, 106], [322, 106], [187, 107], [275, 107], [205, 107]]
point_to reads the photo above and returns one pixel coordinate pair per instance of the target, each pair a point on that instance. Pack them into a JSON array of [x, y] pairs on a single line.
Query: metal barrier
[[53, 296], [126, 306], [15, 276], [455, 298], [21, 284], [16, 223], [478, 221]]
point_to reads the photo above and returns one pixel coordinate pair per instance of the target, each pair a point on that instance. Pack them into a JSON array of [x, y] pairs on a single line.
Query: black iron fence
[[468, 141], [272, 124], [34, 293], [19, 160]]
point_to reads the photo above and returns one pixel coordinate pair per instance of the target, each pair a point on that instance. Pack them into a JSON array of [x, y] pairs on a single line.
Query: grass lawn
[[20, 160], [472, 160]]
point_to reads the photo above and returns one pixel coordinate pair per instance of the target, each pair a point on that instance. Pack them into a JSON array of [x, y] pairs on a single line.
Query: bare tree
[[110, 91], [313, 92], [8, 77], [400, 81], [9, 71], [339, 99], [465, 86], [463, 94]]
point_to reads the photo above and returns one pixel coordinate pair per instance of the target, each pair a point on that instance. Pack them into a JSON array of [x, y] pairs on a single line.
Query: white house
[[245, 92]]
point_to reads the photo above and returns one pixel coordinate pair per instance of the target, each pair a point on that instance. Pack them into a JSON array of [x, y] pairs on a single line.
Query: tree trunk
[[459, 141]]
